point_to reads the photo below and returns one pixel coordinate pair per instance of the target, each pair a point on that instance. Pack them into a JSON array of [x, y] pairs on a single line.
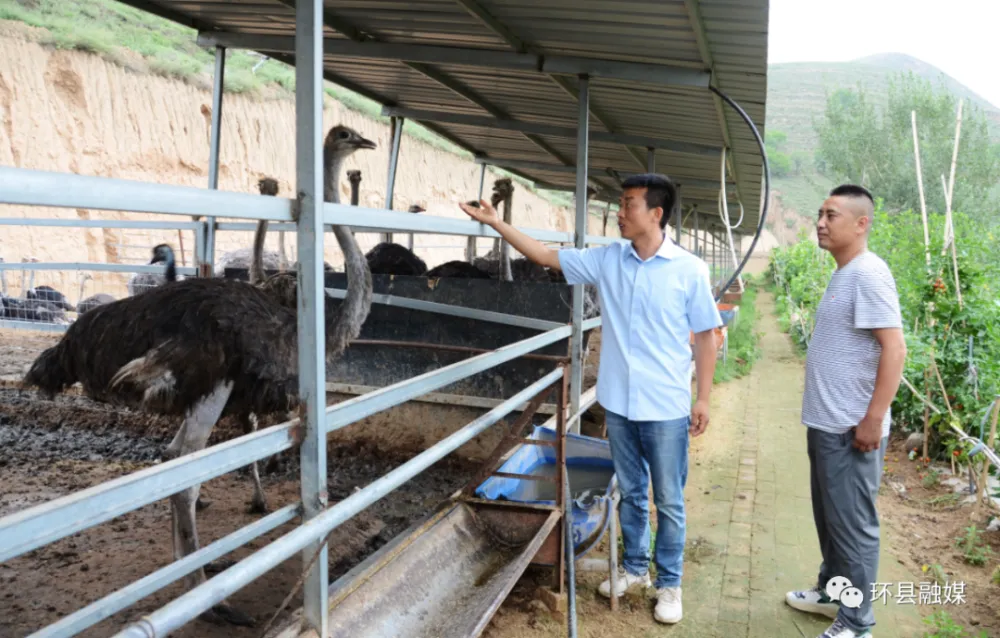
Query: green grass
[[111, 29], [743, 338]]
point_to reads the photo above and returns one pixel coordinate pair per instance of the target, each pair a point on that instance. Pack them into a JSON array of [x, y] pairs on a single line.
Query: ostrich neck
[[171, 272], [345, 325], [257, 261]]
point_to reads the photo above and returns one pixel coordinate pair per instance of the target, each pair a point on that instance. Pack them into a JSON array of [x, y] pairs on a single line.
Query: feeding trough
[[592, 483]]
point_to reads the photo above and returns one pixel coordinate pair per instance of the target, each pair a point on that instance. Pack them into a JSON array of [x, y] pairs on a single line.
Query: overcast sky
[[958, 36]]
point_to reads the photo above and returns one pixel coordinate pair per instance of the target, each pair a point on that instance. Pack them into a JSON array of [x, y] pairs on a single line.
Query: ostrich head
[[342, 141], [162, 253], [502, 189], [417, 208], [268, 186], [354, 177]]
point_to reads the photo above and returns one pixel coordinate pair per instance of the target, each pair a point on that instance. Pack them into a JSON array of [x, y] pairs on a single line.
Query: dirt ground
[[48, 449], [928, 519], [52, 448]]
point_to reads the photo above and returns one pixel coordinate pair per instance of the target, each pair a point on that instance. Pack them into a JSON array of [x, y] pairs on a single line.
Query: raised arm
[[531, 248]]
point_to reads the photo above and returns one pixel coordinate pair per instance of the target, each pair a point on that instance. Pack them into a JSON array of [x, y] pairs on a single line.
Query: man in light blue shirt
[[653, 295]]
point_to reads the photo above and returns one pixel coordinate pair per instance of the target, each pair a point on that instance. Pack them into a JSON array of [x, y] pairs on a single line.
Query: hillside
[[143, 43], [796, 91], [796, 98]]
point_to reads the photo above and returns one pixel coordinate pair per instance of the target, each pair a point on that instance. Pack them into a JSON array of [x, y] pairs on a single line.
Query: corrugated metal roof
[[727, 38]]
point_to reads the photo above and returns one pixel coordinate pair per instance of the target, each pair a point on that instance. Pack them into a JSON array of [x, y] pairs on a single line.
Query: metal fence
[[36, 526]]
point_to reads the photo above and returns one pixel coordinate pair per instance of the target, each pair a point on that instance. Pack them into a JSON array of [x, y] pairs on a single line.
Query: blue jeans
[[659, 450]]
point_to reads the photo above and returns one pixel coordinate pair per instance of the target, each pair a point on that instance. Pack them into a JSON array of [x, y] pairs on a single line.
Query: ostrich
[[93, 301], [415, 208], [142, 282], [204, 348], [51, 295], [503, 190], [387, 258], [27, 282], [354, 177], [240, 258], [457, 268], [35, 310]]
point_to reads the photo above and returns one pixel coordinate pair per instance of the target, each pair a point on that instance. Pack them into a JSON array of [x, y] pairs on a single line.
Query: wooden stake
[[927, 410], [920, 187], [944, 393], [983, 488], [948, 200]]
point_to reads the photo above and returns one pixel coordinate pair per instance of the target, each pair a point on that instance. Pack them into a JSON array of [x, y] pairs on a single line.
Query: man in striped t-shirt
[[853, 370]]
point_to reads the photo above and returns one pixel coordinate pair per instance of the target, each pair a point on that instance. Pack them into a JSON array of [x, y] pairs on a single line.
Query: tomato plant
[[962, 340]]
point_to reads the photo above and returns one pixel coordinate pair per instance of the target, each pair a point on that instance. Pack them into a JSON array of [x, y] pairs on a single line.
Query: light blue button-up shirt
[[649, 309]]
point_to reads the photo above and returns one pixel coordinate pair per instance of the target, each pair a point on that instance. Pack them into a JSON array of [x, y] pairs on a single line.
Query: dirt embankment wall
[[76, 112]]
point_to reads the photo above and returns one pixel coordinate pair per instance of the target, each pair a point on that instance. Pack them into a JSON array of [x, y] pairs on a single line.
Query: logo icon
[[841, 589]]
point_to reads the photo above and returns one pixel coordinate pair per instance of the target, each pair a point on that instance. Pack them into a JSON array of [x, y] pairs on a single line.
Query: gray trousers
[[845, 484]]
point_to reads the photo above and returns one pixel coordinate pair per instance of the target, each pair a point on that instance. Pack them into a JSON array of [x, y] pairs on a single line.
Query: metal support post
[[650, 160], [312, 336], [470, 242], [390, 187], [206, 259], [696, 247], [582, 156], [678, 222]]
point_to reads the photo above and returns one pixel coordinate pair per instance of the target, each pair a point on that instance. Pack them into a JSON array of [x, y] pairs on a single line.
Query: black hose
[[767, 187]]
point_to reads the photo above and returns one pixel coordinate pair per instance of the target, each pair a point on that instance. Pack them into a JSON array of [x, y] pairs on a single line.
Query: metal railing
[[46, 523], [43, 524]]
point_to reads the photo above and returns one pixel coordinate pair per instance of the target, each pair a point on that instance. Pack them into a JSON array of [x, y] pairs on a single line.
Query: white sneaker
[[626, 581], [668, 605], [840, 630], [813, 601]]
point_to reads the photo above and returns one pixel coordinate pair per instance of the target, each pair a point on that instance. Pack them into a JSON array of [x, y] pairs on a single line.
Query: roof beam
[[485, 58], [508, 124], [566, 85], [507, 35], [489, 21], [357, 36], [701, 38], [593, 171], [467, 93]]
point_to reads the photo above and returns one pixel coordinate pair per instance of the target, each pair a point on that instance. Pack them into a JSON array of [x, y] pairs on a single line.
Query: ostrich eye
[[343, 135]]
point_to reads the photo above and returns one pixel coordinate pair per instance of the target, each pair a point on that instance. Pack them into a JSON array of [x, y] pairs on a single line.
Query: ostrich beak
[[361, 142]]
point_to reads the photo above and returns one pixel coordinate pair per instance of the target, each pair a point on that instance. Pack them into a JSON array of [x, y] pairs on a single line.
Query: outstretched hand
[[484, 214]]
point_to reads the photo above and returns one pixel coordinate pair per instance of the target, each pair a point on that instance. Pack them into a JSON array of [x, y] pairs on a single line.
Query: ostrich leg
[[258, 505], [194, 435]]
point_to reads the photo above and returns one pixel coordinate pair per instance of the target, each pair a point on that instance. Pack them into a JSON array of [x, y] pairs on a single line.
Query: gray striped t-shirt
[[843, 353]]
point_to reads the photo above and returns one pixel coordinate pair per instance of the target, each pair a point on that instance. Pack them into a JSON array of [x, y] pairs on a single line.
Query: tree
[[872, 146], [779, 161]]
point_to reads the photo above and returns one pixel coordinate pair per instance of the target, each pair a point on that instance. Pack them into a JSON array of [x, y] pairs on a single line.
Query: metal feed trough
[[564, 96]]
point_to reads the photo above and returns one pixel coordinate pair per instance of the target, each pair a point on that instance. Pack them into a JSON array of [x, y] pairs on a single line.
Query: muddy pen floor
[[53, 448]]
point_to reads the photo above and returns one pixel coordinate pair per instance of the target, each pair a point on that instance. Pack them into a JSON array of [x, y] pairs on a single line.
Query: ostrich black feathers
[[394, 259], [458, 270], [175, 343]]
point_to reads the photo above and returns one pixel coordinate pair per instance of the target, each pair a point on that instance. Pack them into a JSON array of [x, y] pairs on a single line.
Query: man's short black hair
[[852, 190], [660, 192]]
